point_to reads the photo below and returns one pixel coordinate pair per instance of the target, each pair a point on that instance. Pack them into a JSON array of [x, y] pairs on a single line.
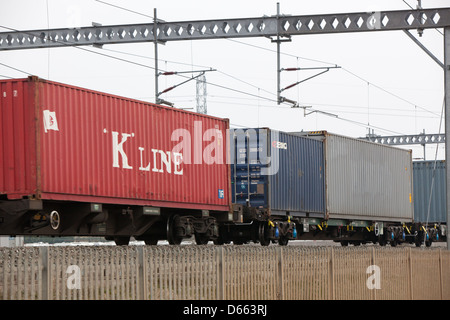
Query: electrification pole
[[447, 121], [201, 94], [155, 39], [278, 56]]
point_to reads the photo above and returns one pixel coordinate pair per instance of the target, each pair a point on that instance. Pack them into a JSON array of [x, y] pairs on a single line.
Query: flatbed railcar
[[322, 186], [77, 162]]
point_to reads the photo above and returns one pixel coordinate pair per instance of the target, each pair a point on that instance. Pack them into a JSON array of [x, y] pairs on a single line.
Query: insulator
[[168, 89]]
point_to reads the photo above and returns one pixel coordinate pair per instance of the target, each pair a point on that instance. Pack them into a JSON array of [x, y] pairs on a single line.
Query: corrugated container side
[[299, 184], [248, 149], [367, 180], [423, 177], [293, 182], [17, 143], [92, 146]]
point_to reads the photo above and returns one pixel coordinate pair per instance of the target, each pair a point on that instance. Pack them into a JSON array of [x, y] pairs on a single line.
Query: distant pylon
[[201, 95]]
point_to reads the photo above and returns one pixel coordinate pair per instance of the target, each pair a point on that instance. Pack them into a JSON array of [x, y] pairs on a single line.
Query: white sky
[[386, 79]]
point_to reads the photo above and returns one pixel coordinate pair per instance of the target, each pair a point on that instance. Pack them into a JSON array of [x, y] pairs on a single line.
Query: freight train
[[77, 162]]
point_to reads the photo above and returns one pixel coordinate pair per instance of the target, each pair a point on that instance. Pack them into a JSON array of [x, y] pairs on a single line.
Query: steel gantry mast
[[278, 26]]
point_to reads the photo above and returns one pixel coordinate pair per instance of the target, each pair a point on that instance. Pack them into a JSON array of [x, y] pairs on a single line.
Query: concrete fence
[[223, 272]]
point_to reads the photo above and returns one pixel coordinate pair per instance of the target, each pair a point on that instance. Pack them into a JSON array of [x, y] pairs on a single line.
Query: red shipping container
[[60, 142]]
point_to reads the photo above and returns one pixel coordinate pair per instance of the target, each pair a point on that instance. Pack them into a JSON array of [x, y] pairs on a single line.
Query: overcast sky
[[385, 81]]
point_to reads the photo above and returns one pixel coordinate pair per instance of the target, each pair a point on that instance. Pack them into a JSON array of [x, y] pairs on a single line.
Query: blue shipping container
[[422, 180], [277, 171]]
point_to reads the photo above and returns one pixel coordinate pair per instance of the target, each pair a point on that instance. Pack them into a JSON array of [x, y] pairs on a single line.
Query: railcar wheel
[[55, 220], [418, 240], [171, 230], [219, 240], [283, 241], [122, 241], [201, 239], [151, 242], [263, 235]]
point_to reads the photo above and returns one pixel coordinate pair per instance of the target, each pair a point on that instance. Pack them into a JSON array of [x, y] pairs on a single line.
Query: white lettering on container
[[118, 149]]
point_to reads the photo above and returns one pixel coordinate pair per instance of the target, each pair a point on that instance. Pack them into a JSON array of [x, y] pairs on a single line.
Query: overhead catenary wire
[[125, 9], [388, 92], [13, 68], [256, 96], [194, 65], [338, 108], [263, 48], [233, 40], [241, 91], [287, 54], [150, 67], [361, 124], [348, 71]]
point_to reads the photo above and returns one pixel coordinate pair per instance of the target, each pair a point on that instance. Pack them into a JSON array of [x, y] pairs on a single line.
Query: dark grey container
[[423, 176]]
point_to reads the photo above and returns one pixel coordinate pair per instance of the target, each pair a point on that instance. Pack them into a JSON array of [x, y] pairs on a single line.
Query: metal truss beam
[[284, 26], [407, 139]]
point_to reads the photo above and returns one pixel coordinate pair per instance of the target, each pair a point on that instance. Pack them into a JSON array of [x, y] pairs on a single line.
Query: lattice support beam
[[407, 139], [228, 28]]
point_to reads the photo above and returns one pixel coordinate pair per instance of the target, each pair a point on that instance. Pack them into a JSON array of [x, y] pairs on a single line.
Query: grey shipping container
[[366, 181], [278, 172], [423, 176]]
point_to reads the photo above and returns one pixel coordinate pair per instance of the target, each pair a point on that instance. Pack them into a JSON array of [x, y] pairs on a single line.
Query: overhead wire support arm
[[301, 81], [432, 56], [308, 68], [309, 78], [315, 111], [294, 103], [158, 100], [170, 73]]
